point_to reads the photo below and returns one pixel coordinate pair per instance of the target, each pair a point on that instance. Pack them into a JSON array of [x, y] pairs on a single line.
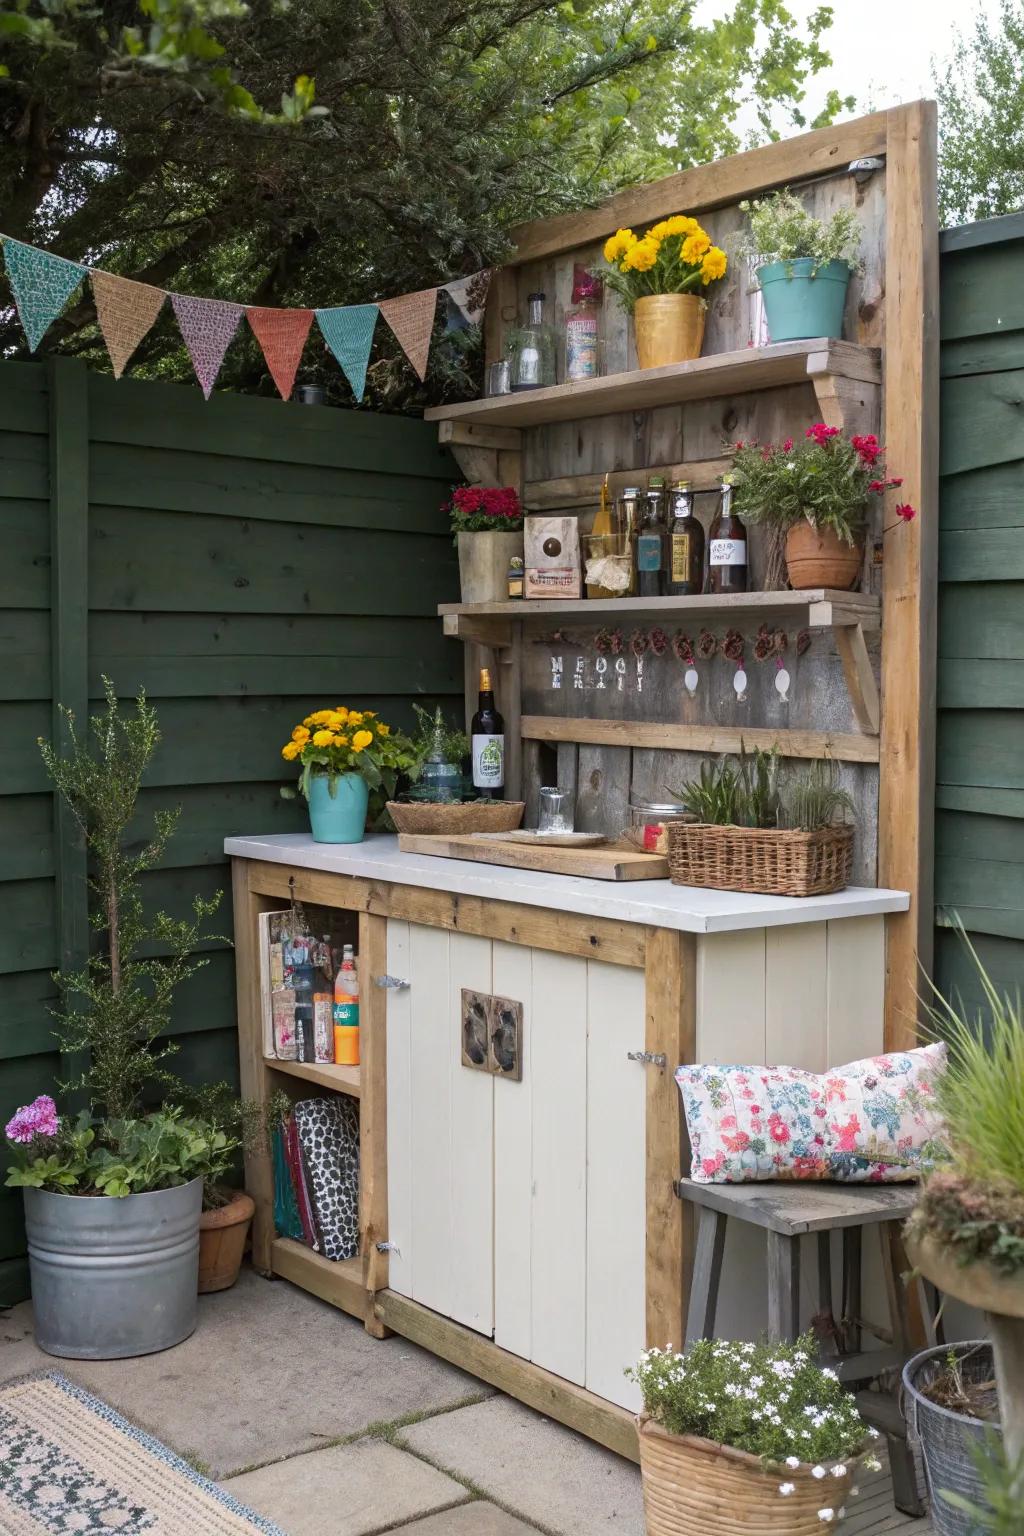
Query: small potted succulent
[[758, 1429], [815, 494], [803, 264], [661, 278], [344, 754], [487, 521]]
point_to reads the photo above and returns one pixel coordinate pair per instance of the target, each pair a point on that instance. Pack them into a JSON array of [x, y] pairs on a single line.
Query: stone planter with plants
[[741, 1437], [813, 497], [803, 264], [487, 521], [344, 755], [662, 279], [113, 1193]]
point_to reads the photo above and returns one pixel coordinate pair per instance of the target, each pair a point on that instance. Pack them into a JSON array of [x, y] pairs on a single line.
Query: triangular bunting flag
[[41, 284], [126, 311], [282, 335], [469, 294], [348, 331], [207, 326], [411, 317]]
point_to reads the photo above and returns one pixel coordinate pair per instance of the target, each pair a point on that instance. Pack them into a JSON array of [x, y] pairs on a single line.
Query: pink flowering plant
[[485, 509], [826, 477]]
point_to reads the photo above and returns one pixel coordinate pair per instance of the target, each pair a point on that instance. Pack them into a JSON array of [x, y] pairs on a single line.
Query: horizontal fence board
[[956, 972], [976, 684], [21, 767], [980, 800], [982, 554], [26, 837], [1007, 922], [267, 635], [25, 540], [26, 1024], [981, 421], [982, 886], [24, 471], [208, 1057], [980, 291], [25, 649], [13, 1280], [983, 619], [982, 498], [995, 353], [27, 915], [963, 834], [981, 747], [200, 677]]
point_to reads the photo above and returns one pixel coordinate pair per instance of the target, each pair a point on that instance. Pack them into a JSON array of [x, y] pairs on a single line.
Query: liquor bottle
[[346, 1010], [727, 551], [487, 730], [441, 778], [627, 512], [686, 545], [651, 541], [583, 326], [533, 354]]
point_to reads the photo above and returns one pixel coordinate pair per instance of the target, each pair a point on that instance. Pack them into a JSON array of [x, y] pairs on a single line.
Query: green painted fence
[[979, 819], [246, 561]]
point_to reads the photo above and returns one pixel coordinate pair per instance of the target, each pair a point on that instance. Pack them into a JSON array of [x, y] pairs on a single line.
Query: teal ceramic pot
[[341, 817], [797, 305]]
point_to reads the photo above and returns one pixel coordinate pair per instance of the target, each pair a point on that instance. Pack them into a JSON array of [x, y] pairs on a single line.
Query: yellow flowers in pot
[[341, 740], [660, 278]]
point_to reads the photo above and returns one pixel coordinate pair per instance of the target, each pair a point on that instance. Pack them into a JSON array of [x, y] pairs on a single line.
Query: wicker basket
[[440, 817], [765, 862], [693, 1487]]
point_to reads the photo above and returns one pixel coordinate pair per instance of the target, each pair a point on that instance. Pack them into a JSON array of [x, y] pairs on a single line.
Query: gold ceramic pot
[[669, 328], [817, 557]]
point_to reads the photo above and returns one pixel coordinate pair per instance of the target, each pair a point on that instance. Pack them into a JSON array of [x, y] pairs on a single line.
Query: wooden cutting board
[[615, 861]]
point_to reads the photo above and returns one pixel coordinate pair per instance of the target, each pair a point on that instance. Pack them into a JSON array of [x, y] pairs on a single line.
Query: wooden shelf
[[324, 1074], [818, 608], [727, 373], [339, 1282]]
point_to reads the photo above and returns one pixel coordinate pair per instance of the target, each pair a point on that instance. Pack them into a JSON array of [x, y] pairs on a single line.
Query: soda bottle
[[346, 1010]]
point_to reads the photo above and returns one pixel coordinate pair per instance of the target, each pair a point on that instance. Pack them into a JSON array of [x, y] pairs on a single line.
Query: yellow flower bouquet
[[344, 753], [674, 256]]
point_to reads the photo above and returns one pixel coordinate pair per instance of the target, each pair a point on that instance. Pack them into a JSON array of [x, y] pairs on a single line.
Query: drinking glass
[[556, 810]]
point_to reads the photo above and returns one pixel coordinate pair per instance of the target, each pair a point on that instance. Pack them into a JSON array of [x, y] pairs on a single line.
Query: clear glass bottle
[[652, 537], [627, 512], [685, 544], [533, 351], [583, 326], [727, 546], [441, 778]]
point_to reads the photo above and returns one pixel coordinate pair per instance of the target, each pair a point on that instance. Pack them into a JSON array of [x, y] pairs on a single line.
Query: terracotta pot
[[669, 328], [483, 565], [693, 1487], [979, 1284], [222, 1235], [817, 557]]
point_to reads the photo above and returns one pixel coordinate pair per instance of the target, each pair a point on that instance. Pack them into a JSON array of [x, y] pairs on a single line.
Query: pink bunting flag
[[207, 326], [282, 335], [411, 317], [126, 311]]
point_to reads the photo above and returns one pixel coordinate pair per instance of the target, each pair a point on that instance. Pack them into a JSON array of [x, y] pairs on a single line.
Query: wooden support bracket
[[851, 404], [497, 634], [860, 676]]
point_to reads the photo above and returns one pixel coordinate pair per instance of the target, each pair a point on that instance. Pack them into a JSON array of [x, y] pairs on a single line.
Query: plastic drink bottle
[[346, 1011]]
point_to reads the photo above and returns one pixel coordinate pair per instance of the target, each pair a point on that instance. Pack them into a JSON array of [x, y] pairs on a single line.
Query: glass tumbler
[[556, 810]]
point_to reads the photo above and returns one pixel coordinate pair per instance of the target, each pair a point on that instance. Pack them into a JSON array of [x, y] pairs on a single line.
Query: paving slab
[[346, 1490], [545, 1472], [270, 1371], [476, 1519]]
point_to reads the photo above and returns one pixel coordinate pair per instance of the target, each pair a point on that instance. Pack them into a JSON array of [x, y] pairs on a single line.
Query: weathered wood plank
[[698, 738]]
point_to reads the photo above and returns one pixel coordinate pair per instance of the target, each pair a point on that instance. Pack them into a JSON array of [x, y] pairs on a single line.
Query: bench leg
[[852, 1303], [783, 1287], [905, 1493], [707, 1274]]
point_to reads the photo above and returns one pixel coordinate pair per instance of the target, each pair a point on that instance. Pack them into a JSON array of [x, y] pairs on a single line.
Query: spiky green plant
[[815, 798]]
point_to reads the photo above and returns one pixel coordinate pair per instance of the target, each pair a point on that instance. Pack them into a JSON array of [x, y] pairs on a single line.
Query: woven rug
[[70, 1464]]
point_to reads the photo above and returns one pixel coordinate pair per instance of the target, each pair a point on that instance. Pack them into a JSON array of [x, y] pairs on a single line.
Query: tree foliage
[[981, 120], [156, 139]]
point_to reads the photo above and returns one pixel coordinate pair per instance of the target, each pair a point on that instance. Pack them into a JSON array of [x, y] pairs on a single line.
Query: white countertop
[[659, 903]]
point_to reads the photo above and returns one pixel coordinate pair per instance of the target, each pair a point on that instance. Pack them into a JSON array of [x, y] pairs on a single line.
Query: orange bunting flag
[[411, 317], [282, 335], [126, 311]]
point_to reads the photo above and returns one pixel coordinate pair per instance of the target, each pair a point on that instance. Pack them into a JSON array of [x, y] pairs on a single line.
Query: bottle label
[[581, 347], [346, 1013], [680, 557], [489, 762], [323, 1027], [648, 552], [728, 551], [528, 371]]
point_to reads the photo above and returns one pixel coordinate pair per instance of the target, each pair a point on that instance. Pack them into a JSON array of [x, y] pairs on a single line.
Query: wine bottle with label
[[686, 545], [727, 547], [488, 732]]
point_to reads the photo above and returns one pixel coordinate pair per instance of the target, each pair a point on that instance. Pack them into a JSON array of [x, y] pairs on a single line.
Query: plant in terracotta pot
[[345, 753], [661, 279], [758, 1430], [813, 496], [227, 1211], [803, 264], [487, 521]]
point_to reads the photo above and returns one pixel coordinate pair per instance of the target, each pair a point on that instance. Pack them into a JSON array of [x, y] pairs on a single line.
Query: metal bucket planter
[[113, 1278], [948, 1438]]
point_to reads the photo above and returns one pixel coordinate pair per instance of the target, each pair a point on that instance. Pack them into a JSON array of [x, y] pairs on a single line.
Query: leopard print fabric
[[329, 1138]]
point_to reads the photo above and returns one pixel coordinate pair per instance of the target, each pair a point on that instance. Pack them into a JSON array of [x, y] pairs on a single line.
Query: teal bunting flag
[[41, 284], [348, 332]]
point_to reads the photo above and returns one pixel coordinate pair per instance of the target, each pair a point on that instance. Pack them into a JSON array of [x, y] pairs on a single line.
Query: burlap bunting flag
[[411, 317], [348, 331], [126, 311], [207, 326], [282, 335], [41, 285], [469, 294]]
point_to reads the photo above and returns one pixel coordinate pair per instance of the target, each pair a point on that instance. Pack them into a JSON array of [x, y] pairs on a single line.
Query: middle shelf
[[324, 1073]]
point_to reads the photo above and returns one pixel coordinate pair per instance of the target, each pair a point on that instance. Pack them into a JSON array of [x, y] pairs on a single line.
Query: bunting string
[[42, 285]]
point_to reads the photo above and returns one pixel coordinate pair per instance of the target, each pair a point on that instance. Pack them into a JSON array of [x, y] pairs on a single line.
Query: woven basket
[[693, 1487], [472, 816], [765, 862]]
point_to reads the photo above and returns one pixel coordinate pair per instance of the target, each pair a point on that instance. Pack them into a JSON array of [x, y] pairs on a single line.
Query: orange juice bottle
[[346, 1011]]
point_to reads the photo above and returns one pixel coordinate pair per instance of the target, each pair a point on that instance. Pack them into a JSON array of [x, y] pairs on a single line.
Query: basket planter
[[818, 557], [948, 1438], [979, 1284], [669, 328], [693, 1487], [484, 559], [762, 861], [441, 818], [222, 1235], [798, 304]]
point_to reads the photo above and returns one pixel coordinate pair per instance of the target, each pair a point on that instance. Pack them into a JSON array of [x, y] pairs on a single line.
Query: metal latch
[[391, 983], [388, 1248], [649, 1058]]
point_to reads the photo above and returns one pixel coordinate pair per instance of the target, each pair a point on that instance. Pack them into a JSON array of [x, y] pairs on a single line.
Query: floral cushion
[[874, 1120]]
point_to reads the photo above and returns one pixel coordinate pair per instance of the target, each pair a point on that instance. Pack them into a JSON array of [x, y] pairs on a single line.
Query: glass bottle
[[441, 778], [583, 326], [487, 731], [652, 537], [627, 512], [727, 547], [533, 353], [685, 545]]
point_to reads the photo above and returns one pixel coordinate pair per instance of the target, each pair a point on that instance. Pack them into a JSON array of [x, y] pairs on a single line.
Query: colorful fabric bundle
[[328, 1133]]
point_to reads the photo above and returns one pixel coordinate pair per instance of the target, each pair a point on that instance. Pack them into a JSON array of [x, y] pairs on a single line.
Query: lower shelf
[[339, 1282]]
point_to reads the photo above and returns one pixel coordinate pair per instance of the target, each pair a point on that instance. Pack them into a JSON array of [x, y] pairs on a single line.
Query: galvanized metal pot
[[113, 1278]]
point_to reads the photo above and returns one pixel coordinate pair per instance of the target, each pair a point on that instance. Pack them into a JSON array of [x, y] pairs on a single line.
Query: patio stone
[[476, 1519], [270, 1371], [348, 1490], [544, 1471]]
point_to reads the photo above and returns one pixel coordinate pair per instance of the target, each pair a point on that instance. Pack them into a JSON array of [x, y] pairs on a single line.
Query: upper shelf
[[727, 373], [818, 607]]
